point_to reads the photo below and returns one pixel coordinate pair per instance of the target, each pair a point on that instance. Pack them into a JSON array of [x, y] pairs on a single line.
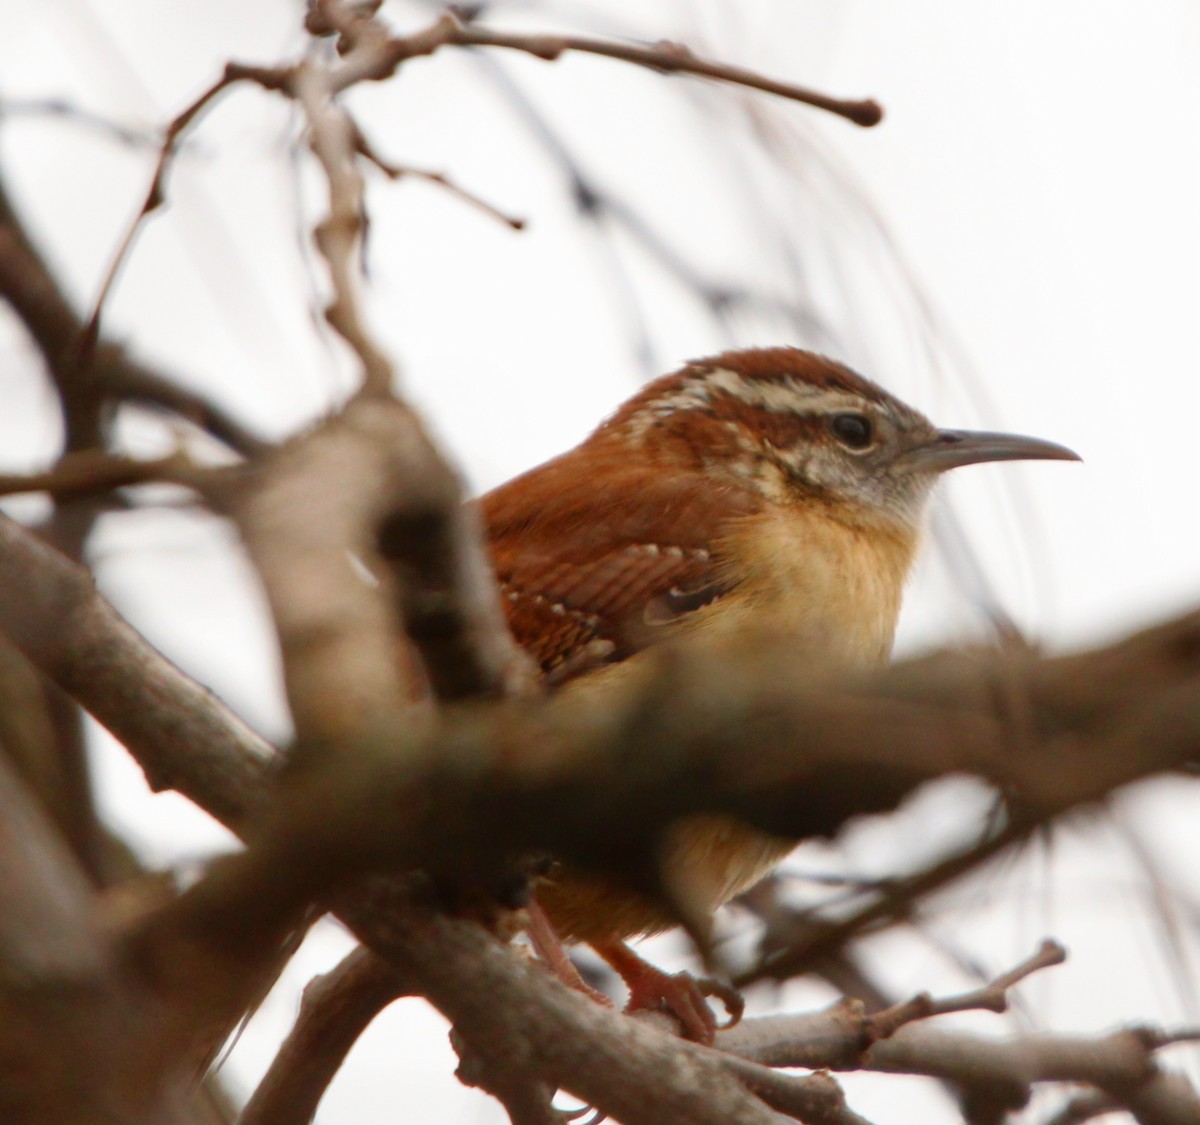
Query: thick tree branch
[[739, 730], [78, 1040], [179, 733]]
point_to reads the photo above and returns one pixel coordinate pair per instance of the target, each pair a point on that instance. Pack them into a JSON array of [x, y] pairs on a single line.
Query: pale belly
[[837, 595]]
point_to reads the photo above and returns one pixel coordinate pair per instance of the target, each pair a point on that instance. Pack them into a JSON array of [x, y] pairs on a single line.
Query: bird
[[769, 486]]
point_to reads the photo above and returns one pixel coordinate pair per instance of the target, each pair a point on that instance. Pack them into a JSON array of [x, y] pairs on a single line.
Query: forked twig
[[992, 997]]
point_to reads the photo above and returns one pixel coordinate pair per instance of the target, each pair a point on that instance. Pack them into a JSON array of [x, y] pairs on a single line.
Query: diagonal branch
[[335, 1010]]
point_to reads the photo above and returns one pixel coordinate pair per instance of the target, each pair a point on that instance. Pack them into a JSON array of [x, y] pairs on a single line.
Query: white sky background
[[1039, 166]]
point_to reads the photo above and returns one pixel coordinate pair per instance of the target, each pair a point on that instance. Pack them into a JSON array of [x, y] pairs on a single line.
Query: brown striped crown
[[774, 418]]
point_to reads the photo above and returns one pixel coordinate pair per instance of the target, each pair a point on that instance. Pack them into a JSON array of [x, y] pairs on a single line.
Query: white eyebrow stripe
[[785, 396]]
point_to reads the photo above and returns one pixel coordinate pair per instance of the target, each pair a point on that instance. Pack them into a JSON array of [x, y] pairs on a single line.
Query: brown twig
[[269, 78], [894, 902], [176, 730], [335, 1010], [89, 472], [35, 294], [395, 171], [127, 381], [664, 57], [992, 997]]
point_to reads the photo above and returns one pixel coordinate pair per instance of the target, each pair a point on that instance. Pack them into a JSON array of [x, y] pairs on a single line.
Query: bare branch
[[815, 1099], [178, 732], [269, 78], [1121, 1063], [332, 136], [92, 471], [35, 295], [485, 989], [992, 997], [369, 484], [75, 1033], [395, 171], [664, 57], [335, 1010], [894, 901], [709, 735], [127, 381]]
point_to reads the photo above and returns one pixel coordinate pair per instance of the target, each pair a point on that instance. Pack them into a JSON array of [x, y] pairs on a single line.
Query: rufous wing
[[591, 576]]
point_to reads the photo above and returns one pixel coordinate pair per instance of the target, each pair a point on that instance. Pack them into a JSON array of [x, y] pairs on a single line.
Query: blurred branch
[[895, 900], [737, 729], [178, 732], [78, 1038], [128, 381], [30, 287], [486, 990], [335, 1010], [82, 356], [603, 211], [369, 484], [80, 115], [93, 471], [1121, 1063]]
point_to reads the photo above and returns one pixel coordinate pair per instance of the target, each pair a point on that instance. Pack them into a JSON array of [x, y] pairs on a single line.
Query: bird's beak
[[951, 448]]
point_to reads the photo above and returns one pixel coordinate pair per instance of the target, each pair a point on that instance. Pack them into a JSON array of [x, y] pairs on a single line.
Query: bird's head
[[798, 427]]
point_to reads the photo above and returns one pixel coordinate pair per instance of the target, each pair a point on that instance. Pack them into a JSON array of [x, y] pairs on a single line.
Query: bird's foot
[[550, 948], [681, 994]]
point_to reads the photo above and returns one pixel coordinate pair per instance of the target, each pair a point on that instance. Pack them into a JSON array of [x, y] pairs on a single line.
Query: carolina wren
[[770, 486]]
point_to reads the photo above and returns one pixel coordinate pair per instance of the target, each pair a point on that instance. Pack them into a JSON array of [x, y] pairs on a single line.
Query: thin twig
[[665, 57], [68, 111], [894, 902], [992, 997], [269, 78], [395, 171]]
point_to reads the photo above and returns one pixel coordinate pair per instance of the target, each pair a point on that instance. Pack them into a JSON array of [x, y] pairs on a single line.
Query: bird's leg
[[679, 993], [549, 947]]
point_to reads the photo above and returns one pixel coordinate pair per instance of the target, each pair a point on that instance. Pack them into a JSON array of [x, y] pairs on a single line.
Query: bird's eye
[[853, 430]]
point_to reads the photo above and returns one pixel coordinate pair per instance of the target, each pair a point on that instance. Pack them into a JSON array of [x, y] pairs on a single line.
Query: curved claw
[[732, 1000], [678, 993]]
